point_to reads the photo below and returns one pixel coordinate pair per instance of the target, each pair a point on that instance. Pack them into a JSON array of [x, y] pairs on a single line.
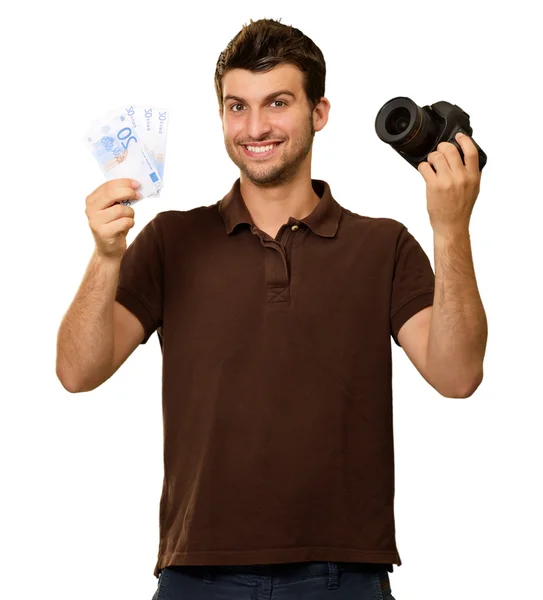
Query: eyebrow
[[266, 99]]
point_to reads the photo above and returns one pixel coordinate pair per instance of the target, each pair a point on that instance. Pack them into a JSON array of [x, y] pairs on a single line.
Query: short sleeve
[[139, 287], [413, 282]]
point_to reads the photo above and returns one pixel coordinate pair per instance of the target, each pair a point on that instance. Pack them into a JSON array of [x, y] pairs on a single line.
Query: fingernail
[[135, 184], [459, 134]]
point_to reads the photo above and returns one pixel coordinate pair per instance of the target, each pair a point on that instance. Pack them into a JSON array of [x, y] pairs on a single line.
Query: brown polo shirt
[[277, 378]]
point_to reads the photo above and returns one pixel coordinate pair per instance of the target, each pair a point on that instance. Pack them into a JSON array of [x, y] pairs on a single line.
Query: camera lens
[[398, 120], [406, 126]]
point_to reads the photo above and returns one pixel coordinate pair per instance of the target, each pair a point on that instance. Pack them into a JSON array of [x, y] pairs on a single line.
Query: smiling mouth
[[262, 152]]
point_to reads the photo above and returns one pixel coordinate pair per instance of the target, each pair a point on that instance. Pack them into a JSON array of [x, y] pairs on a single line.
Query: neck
[[271, 207]]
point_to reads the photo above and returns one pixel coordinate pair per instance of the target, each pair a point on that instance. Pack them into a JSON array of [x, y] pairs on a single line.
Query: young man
[[275, 309]]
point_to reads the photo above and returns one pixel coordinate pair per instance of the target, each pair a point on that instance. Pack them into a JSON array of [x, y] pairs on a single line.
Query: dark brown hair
[[266, 43]]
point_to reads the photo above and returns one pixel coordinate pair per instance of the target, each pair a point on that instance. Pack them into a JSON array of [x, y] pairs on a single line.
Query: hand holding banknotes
[[110, 219], [130, 142]]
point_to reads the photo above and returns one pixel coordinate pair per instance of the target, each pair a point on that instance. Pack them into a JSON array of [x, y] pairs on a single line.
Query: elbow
[[79, 386], [462, 388], [68, 384], [69, 388]]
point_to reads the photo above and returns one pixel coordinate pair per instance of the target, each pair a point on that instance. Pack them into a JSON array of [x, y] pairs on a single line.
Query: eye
[[273, 102]]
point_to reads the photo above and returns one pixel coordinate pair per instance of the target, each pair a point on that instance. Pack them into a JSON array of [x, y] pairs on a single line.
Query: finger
[[111, 192], [116, 227], [451, 153], [426, 171], [125, 181], [471, 154], [114, 193], [116, 212], [439, 162]]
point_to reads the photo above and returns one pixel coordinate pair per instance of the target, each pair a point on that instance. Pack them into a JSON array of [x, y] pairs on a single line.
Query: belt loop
[[385, 582], [333, 582]]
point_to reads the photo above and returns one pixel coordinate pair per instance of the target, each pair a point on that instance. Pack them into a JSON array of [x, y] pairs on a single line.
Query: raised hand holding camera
[[451, 191], [436, 141]]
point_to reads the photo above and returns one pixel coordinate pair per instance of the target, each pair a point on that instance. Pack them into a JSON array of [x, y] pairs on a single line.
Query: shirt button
[[294, 227]]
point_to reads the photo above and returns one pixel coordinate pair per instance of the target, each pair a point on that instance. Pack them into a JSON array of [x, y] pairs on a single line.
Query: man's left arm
[[447, 342]]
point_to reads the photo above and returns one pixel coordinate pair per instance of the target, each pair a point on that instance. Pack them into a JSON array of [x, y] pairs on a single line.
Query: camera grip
[[482, 155]]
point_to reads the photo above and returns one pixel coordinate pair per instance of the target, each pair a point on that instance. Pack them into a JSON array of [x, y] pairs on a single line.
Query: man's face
[[253, 115]]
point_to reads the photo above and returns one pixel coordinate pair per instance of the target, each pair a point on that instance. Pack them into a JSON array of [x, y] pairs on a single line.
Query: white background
[[82, 474]]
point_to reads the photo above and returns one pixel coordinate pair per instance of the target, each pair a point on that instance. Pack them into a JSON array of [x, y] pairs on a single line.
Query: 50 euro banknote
[[152, 125], [120, 152]]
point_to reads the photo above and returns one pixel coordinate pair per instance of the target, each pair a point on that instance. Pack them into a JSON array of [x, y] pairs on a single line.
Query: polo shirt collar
[[324, 220]]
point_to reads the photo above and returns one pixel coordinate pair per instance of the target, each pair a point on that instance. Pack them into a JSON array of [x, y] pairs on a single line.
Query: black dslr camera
[[414, 132]]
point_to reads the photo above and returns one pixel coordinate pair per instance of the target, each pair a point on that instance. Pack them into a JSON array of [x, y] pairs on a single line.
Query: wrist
[[106, 260], [451, 235]]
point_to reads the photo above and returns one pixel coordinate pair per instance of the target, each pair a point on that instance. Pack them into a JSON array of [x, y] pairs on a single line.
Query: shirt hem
[[243, 557]]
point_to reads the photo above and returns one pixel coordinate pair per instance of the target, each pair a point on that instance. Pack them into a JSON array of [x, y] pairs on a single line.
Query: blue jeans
[[295, 581]]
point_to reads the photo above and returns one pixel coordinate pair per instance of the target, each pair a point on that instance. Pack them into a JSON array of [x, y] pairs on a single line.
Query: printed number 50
[[128, 133]]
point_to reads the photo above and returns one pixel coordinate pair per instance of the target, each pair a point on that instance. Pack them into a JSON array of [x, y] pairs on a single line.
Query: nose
[[258, 124]]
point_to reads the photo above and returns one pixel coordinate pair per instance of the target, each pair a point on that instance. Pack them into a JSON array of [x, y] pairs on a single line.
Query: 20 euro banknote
[[152, 125], [119, 152]]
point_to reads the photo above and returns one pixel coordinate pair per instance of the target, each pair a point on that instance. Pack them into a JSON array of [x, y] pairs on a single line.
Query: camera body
[[414, 132]]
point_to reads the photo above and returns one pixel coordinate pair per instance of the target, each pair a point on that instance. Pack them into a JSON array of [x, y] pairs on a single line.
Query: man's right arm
[[97, 333]]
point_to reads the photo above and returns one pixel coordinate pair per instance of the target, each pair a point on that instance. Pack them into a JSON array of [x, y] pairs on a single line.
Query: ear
[[320, 113]]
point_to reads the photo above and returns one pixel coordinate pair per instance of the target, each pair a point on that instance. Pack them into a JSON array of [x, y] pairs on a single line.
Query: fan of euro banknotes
[[131, 142]]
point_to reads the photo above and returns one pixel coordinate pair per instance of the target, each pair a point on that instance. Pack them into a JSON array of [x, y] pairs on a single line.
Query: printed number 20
[[128, 132]]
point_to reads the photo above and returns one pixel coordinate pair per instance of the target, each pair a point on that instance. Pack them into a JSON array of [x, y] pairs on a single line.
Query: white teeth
[[260, 149]]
